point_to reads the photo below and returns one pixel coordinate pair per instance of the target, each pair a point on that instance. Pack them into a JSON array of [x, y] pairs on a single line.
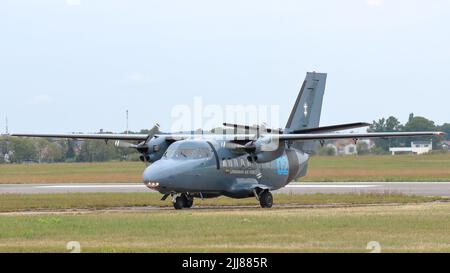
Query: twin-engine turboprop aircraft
[[188, 166]]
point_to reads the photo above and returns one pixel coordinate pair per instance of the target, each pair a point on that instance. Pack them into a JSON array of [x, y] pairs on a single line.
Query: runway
[[408, 188]]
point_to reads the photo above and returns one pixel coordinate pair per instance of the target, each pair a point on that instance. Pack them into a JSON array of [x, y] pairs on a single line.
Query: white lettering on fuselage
[[243, 166]]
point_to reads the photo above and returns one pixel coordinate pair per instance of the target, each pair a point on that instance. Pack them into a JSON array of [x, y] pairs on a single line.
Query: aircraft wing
[[355, 135], [236, 137], [138, 137], [142, 137]]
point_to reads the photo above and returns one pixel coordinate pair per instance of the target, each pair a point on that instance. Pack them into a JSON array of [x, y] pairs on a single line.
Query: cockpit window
[[187, 153]]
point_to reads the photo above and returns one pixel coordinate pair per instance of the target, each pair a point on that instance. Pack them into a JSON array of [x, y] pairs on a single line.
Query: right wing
[[137, 137]]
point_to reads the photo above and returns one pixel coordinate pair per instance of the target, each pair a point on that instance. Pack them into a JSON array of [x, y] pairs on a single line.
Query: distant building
[[6, 158], [332, 146], [350, 149], [417, 147], [347, 146], [445, 144]]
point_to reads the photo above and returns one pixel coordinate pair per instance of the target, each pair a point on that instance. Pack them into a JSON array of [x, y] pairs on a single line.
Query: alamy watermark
[[205, 117]]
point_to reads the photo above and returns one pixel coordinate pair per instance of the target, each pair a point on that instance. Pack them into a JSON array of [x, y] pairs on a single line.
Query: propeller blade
[[248, 148], [152, 132], [146, 163], [259, 174], [238, 148], [124, 144], [143, 146], [233, 146]]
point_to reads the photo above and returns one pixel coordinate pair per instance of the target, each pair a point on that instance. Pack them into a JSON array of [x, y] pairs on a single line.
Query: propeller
[[235, 147], [141, 147], [250, 149]]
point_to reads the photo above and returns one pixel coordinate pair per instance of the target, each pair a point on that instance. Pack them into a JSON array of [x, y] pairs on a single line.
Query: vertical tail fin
[[307, 108]]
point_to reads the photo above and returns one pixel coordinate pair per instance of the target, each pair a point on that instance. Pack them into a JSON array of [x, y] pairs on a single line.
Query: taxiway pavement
[[408, 188]]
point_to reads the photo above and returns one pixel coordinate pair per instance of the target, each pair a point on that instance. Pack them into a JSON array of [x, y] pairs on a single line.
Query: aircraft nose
[[154, 176], [166, 174]]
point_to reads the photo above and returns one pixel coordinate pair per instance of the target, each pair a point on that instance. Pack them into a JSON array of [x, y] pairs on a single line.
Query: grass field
[[384, 168], [72, 172], [34, 202], [405, 228], [348, 168]]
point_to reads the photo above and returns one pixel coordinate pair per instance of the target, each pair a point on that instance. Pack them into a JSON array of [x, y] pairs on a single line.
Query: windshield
[[187, 153]]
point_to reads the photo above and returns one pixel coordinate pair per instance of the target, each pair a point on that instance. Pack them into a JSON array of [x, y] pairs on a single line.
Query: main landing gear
[[184, 200], [265, 199]]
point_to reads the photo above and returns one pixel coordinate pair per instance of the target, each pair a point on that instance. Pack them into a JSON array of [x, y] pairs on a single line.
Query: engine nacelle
[[268, 148], [154, 149]]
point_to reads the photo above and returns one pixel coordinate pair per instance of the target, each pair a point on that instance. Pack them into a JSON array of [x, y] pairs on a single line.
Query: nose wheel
[[183, 201]]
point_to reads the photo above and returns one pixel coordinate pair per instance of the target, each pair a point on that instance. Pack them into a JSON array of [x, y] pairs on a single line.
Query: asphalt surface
[[409, 188]]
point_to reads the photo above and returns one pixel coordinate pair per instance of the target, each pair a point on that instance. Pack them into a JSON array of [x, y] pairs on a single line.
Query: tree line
[[414, 123], [392, 124], [42, 150]]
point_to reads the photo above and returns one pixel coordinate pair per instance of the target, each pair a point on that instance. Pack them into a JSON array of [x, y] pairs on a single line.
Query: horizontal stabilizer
[[252, 128]]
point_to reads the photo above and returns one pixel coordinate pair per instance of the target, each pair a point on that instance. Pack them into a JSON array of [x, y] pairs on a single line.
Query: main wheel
[[179, 202], [188, 201], [266, 199]]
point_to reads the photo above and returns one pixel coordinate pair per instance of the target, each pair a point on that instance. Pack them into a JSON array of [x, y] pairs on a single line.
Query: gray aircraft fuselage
[[218, 171]]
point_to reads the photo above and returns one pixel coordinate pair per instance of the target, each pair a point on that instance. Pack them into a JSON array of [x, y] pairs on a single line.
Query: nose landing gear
[[184, 200]]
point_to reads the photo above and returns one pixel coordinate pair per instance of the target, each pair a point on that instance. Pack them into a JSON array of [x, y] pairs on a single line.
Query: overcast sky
[[77, 65]]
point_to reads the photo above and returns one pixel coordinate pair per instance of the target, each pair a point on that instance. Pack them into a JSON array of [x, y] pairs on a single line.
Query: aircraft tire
[[188, 201], [266, 199], [179, 203]]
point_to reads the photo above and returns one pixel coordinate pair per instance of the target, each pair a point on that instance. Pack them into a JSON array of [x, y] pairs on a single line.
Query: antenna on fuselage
[[126, 131]]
